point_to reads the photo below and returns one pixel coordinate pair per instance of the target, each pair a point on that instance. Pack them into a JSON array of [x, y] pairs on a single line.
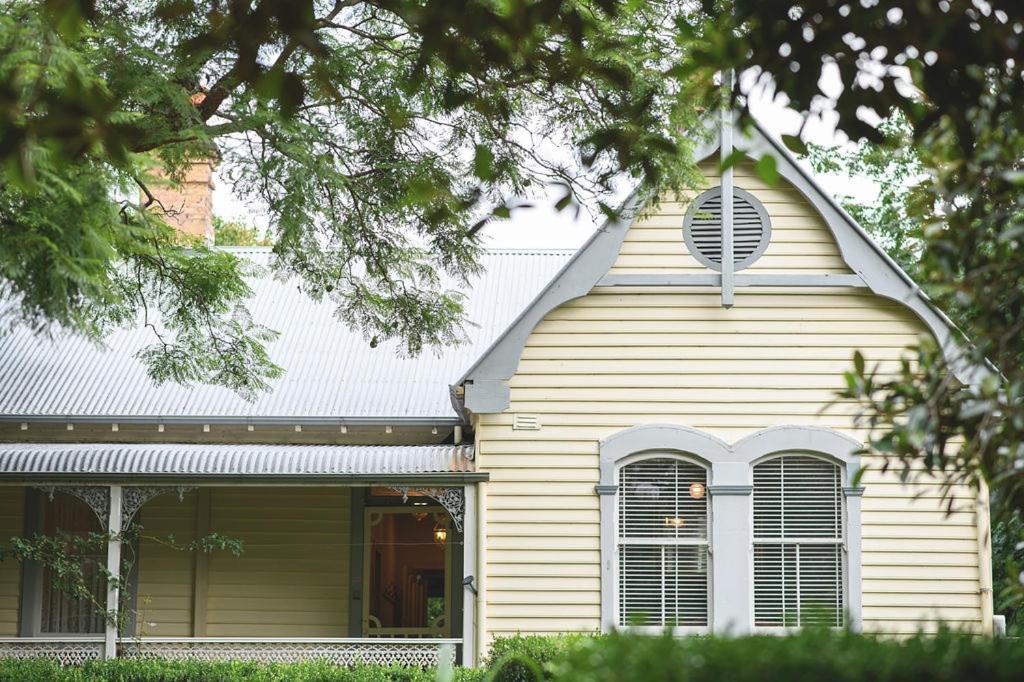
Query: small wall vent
[[526, 422], [702, 228]]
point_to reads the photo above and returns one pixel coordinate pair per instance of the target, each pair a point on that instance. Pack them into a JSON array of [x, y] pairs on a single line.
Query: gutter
[[442, 479], [236, 420]]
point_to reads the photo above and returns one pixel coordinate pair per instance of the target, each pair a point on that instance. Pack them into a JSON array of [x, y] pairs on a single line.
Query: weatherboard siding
[[12, 524], [764, 363], [620, 357], [801, 243], [292, 578], [166, 573]]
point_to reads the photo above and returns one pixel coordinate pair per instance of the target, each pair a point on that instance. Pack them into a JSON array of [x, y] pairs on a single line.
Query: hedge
[[522, 657], [128, 670], [804, 657], [809, 656]]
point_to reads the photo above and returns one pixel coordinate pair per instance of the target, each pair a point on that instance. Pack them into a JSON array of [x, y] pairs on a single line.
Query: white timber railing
[[411, 652], [64, 650]]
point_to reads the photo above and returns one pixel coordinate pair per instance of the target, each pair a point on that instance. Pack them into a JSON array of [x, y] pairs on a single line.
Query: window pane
[[663, 585], [775, 602], [821, 585], [663, 498], [797, 497], [60, 612]]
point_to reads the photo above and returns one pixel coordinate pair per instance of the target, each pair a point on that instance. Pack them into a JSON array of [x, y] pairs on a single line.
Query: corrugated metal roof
[[330, 370], [185, 460]]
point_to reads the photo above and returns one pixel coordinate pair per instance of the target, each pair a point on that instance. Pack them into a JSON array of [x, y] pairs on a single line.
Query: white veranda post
[[114, 568]]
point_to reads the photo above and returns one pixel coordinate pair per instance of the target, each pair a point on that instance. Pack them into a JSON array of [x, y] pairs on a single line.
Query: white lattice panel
[[411, 653], [73, 652]]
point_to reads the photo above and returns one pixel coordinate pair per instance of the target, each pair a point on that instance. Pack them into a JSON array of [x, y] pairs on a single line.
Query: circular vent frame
[[702, 228]]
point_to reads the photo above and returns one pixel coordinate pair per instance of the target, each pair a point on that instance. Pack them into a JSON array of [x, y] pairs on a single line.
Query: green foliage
[[236, 233], [811, 655], [896, 217], [74, 255], [1007, 564], [127, 670], [905, 206], [381, 137], [521, 658], [72, 558]]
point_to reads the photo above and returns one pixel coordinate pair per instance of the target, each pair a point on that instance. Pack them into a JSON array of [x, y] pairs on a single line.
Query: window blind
[[663, 543], [798, 542]]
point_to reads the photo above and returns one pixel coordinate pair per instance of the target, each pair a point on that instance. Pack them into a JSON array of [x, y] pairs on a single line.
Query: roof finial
[[725, 132]]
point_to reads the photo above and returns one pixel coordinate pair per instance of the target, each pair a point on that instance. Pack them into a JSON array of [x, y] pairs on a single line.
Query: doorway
[[407, 569]]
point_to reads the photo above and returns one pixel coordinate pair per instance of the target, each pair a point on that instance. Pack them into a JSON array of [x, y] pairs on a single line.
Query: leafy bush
[[809, 656], [153, 670], [525, 658]]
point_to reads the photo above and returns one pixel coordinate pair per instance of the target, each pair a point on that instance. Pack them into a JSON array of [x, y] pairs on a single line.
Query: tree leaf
[[483, 163], [795, 144], [767, 169]]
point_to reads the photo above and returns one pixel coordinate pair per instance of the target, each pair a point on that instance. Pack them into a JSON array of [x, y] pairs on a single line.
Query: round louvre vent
[[702, 228]]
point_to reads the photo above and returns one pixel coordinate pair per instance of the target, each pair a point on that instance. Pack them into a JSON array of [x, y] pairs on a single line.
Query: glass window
[[61, 613], [798, 542], [662, 543]]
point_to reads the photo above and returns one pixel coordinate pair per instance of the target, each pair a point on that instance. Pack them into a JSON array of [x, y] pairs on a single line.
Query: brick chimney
[[189, 205]]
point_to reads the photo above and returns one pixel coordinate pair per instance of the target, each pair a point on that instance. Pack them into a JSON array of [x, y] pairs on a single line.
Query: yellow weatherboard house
[[640, 434]]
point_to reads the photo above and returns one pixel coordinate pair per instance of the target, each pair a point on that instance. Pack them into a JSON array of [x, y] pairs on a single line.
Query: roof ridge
[[528, 251]]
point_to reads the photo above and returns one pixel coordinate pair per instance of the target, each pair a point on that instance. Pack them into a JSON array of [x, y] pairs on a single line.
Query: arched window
[[662, 543], [798, 542]]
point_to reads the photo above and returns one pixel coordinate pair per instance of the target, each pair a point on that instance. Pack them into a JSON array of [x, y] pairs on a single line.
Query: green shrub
[[510, 657], [810, 656], [124, 670]]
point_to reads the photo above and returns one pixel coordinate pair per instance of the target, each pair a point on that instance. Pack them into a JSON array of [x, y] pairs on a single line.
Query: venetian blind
[[798, 542], [663, 543]]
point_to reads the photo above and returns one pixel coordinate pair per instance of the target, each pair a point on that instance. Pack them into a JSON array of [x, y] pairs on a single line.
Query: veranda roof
[[113, 462]]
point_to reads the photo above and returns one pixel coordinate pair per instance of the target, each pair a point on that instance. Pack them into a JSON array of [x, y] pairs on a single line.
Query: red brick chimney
[[189, 206]]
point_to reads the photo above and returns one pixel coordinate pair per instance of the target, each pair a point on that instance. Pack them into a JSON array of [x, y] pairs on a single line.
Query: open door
[[407, 568]]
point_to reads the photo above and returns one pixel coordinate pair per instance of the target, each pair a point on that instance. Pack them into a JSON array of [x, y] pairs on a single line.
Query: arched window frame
[[650, 455], [731, 495]]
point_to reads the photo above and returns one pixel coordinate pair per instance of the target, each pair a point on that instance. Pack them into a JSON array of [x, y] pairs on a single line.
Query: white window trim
[[633, 459], [731, 511]]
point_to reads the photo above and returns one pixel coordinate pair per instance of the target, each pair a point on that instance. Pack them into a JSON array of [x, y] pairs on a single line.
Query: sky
[[542, 227]]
